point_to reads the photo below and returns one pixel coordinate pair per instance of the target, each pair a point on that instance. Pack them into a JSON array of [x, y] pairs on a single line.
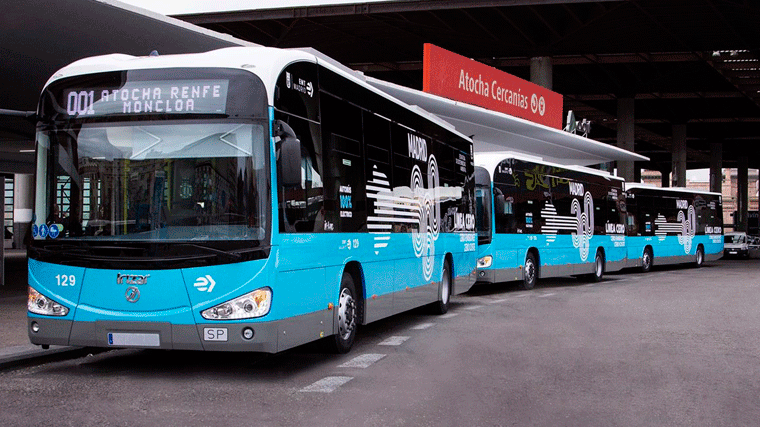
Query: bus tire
[[646, 260], [347, 312], [530, 272], [444, 291], [598, 273], [700, 257]]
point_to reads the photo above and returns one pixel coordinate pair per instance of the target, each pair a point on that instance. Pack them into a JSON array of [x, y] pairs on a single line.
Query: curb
[[24, 354]]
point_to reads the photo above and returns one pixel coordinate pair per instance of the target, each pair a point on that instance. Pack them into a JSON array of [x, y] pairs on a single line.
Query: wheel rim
[[646, 260], [346, 314], [700, 257], [530, 270], [445, 287], [598, 266]]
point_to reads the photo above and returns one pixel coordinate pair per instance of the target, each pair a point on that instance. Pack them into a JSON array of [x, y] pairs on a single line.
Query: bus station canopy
[[495, 131]]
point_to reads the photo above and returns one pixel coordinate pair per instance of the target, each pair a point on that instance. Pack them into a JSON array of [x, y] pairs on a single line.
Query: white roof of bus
[[489, 161], [632, 185], [265, 62], [494, 131]]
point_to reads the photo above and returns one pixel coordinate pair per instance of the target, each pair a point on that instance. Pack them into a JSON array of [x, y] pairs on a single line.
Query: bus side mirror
[[290, 154]]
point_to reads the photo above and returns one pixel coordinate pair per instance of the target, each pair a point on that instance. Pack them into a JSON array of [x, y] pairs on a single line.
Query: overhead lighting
[[26, 151]]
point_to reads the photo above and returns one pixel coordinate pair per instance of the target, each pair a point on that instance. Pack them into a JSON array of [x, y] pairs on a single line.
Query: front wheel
[[347, 316], [646, 261], [530, 272]]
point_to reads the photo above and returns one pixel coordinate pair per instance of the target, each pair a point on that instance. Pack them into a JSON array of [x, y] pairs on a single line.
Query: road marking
[[395, 340], [521, 295], [545, 295], [423, 326], [496, 301], [473, 307], [326, 385], [449, 316], [363, 361]]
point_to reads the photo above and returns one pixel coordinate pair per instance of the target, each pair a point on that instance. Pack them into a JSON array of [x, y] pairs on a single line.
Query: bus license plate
[[127, 339], [215, 334]]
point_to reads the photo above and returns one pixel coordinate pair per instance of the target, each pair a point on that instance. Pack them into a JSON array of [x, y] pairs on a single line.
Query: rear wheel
[[598, 268], [700, 257], [444, 291], [530, 272], [646, 260], [347, 316]]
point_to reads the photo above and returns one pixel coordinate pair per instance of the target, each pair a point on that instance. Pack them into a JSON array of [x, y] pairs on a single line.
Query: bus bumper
[[157, 335]]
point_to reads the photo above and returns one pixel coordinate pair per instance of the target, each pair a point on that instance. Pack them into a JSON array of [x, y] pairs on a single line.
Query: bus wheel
[[700, 257], [530, 272], [444, 291], [598, 267], [347, 313], [646, 260]]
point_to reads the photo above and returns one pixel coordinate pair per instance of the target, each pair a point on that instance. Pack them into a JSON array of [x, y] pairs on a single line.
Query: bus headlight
[[40, 304], [485, 261], [250, 305]]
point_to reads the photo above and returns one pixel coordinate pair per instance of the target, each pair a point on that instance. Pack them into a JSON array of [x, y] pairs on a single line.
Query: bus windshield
[[175, 181]]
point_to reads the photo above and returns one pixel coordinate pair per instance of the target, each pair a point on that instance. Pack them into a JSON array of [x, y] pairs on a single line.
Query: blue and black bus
[[536, 219], [244, 199], [672, 226]]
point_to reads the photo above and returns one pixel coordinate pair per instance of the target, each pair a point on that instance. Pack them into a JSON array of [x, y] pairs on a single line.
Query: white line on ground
[[423, 326], [496, 301], [395, 340], [473, 307], [449, 316], [546, 295], [326, 385], [363, 361]]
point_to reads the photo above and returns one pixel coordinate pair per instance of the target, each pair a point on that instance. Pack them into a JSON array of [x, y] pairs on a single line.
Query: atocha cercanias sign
[[462, 79]]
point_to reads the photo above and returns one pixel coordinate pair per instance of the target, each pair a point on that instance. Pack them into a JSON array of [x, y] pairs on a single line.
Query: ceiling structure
[[689, 62]]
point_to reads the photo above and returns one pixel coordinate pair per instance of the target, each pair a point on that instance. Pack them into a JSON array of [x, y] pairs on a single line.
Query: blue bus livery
[[672, 225], [537, 219], [244, 199]]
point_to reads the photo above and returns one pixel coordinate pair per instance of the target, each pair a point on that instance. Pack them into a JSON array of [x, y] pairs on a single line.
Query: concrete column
[[625, 135], [541, 71], [716, 167], [678, 165], [636, 173], [665, 180], [742, 194], [23, 206]]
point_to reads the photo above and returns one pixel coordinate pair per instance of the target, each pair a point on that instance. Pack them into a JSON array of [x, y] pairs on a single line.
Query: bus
[[537, 219], [672, 226], [243, 199]]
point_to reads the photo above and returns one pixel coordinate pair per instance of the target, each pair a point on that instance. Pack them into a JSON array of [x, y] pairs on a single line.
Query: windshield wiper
[[232, 255]]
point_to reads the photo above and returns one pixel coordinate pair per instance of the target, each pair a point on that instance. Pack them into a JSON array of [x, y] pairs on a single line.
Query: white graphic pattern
[[685, 227], [581, 223], [416, 207]]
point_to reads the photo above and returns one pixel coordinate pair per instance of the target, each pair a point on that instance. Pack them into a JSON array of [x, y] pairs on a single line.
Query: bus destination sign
[[149, 97]]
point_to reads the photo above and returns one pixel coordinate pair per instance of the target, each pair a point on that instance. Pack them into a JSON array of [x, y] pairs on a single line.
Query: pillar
[[665, 180], [716, 167], [678, 165], [742, 194], [625, 135], [23, 193], [541, 71]]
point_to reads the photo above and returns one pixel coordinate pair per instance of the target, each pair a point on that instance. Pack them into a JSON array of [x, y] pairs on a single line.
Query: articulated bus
[[672, 226], [244, 199], [537, 219]]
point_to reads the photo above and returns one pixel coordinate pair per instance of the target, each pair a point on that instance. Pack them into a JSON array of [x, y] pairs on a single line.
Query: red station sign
[[458, 78]]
